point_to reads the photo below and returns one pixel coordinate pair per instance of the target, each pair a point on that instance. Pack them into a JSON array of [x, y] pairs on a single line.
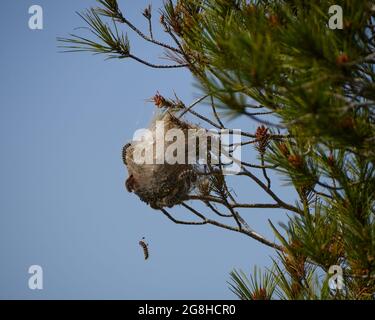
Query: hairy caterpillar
[[144, 246], [188, 174], [124, 149]]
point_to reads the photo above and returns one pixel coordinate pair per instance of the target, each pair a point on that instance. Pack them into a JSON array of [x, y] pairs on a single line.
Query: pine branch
[[250, 233]]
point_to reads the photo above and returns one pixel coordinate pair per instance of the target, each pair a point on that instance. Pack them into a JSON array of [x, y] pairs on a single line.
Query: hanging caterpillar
[[144, 246]]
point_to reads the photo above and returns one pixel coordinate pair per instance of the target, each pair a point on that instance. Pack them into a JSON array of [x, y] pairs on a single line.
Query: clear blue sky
[[63, 120]]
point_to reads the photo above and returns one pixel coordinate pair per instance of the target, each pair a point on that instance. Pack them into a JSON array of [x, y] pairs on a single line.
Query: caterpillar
[[124, 149], [187, 174], [144, 246]]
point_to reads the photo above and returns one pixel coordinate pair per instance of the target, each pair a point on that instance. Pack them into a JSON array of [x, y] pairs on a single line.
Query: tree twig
[[142, 35], [248, 232], [170, 217], [156, 66], [270, 192]]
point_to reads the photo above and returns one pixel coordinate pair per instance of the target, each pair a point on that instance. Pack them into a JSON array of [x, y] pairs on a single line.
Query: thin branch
[[260, 113], [194, 211], [217, 211], [270, 192], [256, 166], [156, 66], [204, 119], [254, 107], [230, 131], [206, 198], [265, 122], [150, 29], [170, 217], [250, 233], [265, 171], [233, 204], [182, 51], [257, 205], [215, 113], [328, 186], [192, 105], [142, 35], [240, 222], [322, 194]]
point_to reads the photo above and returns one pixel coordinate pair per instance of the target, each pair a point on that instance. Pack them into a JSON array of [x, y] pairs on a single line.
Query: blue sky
[[63, 120]]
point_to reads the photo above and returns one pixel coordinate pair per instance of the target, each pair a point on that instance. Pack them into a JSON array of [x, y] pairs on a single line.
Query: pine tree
[[311, 89]]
